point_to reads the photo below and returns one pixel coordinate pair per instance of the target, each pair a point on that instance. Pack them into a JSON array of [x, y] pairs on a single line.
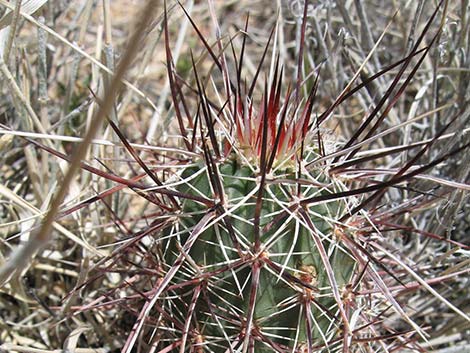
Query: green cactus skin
[[291, 274]]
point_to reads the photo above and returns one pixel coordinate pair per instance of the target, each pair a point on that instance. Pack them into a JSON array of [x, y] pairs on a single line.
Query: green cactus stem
[[287, 270]]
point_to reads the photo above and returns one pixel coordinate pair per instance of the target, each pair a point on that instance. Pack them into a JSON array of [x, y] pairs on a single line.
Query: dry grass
[[57, 85]]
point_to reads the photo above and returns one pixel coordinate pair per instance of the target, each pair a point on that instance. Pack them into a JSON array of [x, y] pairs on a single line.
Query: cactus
[[266, 263]]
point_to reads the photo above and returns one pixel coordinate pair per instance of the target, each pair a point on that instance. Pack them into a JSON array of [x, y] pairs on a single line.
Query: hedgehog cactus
[[268, 263]]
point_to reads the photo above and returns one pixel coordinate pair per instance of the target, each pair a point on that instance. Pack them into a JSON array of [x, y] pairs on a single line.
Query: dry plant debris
[[270, 176]]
